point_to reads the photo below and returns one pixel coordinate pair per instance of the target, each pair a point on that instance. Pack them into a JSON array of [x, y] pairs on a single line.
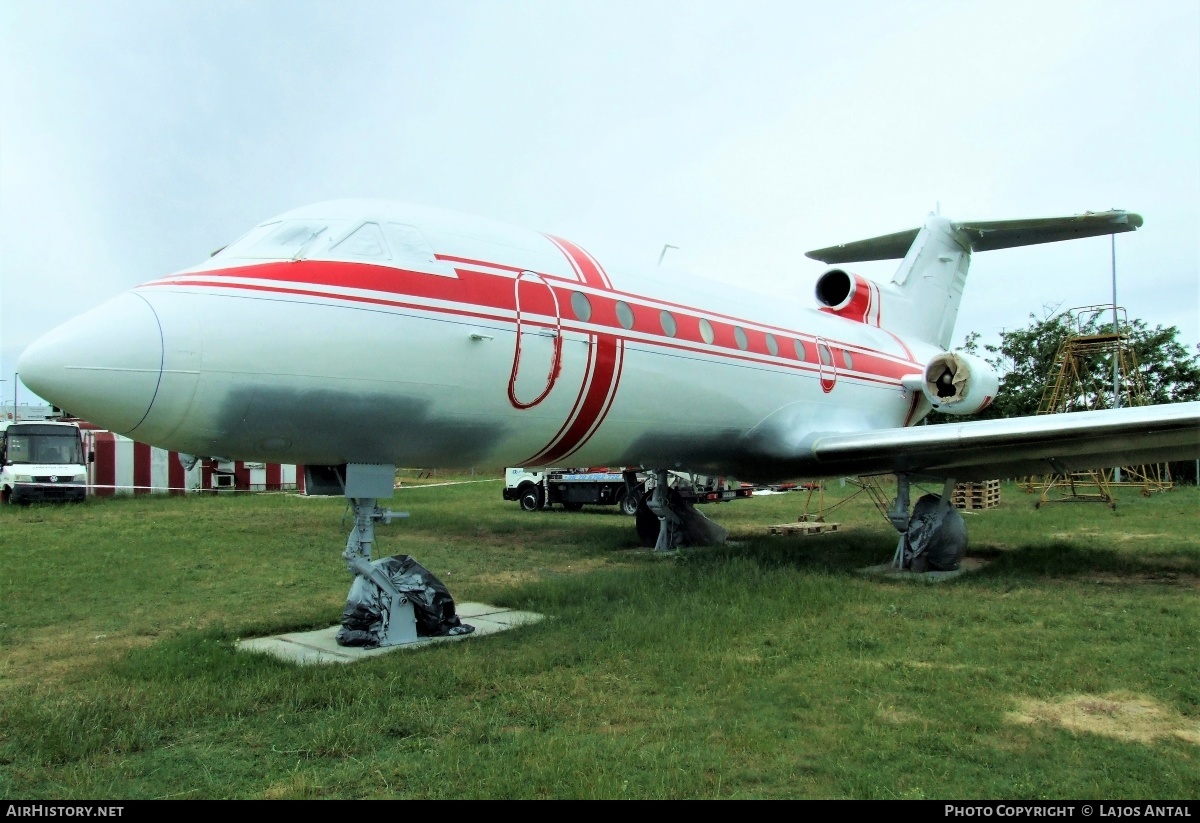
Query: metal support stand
[[679, 524], [947, 497], [941, 527], [670, 525], [399, 619], [898, 517]]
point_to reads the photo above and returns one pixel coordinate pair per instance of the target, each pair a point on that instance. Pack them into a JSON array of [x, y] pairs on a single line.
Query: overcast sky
[[137, 137]]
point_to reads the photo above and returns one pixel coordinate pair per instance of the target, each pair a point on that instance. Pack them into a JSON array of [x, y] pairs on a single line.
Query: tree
[[1025, 358]]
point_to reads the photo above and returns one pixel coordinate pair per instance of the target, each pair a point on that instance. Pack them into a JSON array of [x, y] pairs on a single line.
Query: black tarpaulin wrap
[[936, 538], [433, 607]]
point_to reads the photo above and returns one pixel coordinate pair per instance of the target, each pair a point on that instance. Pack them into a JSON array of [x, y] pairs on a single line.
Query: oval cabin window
[[669, 326], [624, 315], [581, 306]]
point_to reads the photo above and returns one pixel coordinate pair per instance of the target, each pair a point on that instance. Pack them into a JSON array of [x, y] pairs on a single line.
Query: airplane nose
[[104, 366]]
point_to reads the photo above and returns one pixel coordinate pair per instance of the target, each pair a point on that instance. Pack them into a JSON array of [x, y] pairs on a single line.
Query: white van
[[41, 460]]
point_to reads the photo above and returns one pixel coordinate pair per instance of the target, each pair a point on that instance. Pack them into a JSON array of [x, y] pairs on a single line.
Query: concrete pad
[[321, 646], [968, 564]]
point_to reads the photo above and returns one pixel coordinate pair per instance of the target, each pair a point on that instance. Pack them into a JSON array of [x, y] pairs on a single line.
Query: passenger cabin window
[[800, 352], [848, 359], [772, 346], [624, 315], [706, 331], [739, 334], [581, 306], [364, 243], [823, 353], [669, 326]]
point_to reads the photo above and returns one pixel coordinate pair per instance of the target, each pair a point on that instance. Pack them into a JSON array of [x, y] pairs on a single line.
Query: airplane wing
[[1014, 447]]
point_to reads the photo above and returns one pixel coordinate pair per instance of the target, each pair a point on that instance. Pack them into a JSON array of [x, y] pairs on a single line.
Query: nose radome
[[104, 366]]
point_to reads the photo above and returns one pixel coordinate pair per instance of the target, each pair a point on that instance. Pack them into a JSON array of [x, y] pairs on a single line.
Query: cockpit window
[[365, 242], [247, 241], [290, 241], [408, 243], [390, 244]]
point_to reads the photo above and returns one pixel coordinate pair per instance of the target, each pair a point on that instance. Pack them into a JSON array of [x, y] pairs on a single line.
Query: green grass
[[769, 667]]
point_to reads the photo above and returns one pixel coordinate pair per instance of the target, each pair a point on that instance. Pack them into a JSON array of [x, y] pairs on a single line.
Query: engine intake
[[959, 383], [849, 295], [835, 288]]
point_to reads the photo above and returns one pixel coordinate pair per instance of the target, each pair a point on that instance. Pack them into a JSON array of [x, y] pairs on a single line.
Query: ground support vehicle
[[624, 487], [572, 488], [42, 460], [703, 488]]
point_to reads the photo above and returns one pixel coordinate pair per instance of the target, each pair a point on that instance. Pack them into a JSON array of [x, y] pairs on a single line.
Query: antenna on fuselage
[[664, 252]]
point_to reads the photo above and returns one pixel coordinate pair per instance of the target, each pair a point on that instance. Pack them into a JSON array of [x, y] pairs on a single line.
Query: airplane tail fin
[[923, 298]]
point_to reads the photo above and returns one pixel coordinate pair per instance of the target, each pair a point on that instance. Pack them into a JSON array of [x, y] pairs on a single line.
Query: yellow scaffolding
[[1073, 386]]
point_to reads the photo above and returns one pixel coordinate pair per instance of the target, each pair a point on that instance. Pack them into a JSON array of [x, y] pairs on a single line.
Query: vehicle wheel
[[6, 496], [572, 507], [629, 504], [531, 498]]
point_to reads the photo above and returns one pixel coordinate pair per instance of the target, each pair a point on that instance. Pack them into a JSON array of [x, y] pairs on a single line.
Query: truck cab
[[41, 460]]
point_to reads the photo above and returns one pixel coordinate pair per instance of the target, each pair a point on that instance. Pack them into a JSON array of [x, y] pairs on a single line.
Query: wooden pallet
[[803, 528], [982, 495]]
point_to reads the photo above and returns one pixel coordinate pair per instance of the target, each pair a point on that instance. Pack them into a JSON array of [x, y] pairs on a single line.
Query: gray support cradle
[[364, 483]]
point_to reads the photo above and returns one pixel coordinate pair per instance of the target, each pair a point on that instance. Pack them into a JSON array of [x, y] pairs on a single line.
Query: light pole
[[1117, 349]]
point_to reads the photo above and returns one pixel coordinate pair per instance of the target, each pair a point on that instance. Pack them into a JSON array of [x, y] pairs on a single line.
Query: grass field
[[1066, 666]]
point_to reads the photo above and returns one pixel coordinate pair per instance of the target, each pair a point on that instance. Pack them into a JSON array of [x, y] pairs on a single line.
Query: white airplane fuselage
[[383, 333]]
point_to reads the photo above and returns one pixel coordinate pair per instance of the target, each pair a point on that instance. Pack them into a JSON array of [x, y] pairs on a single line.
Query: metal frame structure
[[1072, 386]]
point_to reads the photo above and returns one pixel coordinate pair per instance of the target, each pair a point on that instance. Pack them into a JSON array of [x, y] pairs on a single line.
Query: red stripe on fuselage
[[613, 394], [480, 290], [599, 396], [583, 263], [907, 351], [912, 409], [870, 365], [600, 386], [449, 258], [588, 375]]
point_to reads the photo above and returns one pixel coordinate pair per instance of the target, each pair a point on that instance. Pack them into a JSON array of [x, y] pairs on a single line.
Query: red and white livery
[[364, 333]]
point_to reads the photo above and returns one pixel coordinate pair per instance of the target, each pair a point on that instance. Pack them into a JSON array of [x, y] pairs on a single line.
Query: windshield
[[53, 449], [284, 240]]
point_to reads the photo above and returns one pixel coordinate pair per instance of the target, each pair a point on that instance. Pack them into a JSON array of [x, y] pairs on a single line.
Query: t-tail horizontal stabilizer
[[923, 298], [987, 235]]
